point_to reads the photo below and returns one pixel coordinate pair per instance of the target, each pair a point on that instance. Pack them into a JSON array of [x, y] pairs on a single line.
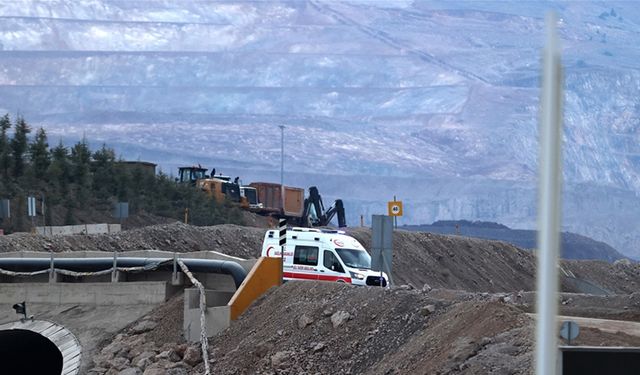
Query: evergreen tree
[[81, 164], [81, 161], [60, 170], [104, 179], [19, 146], [78, 182], [5, 150], [39, 154]]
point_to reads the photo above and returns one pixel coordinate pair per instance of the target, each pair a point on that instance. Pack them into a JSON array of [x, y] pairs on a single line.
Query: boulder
[[192, 355], [143, 326], [280, 359], [304, 320], [339, 317]]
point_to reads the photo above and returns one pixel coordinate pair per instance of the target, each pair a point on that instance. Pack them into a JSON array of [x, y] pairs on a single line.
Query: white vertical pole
[[549, 204], [282, 168]]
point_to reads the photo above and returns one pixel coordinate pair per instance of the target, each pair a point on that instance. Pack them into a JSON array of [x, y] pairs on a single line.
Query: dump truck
[[301, 211], [270, 195], [265, 198]]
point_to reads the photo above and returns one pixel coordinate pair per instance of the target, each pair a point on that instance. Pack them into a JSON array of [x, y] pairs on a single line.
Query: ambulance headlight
[[356, 275]]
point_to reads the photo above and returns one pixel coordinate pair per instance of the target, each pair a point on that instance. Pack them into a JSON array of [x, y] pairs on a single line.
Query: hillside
[[329, 328], [440, 261], [463, 308], [573, 246]]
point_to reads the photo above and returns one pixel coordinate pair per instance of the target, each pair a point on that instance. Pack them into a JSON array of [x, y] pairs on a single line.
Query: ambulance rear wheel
[[340, 281]]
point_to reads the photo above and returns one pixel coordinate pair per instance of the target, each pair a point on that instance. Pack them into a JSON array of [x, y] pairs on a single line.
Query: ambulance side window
[[331, 262], [306, 255]]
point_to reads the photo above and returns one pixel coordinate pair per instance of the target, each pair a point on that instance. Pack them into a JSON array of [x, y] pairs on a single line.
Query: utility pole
[[282, 168], [549, 204]]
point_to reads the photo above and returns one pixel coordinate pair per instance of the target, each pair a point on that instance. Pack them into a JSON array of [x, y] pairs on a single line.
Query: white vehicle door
[[332, 269]]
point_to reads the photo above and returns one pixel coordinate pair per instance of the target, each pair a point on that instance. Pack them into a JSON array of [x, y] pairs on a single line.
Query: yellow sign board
[[395, 208]]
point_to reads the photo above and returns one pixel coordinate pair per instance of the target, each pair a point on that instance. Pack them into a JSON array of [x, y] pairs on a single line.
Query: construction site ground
[[460, 305]]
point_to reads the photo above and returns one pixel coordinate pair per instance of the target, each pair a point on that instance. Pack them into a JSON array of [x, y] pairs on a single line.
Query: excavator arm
[[336, 209], [314, 213]]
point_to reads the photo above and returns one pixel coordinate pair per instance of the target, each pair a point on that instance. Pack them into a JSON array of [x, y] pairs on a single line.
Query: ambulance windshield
[[355, 258]]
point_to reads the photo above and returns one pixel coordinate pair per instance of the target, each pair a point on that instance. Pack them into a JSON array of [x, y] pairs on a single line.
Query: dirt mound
[[441, 261], [473, 264], [254, 220], [616, 307], [328, 328], [456, 262], [306, 327], [310, 328], [621, 277], [244, 242]]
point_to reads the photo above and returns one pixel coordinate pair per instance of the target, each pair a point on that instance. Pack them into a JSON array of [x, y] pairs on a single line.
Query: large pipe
[[98, 264]]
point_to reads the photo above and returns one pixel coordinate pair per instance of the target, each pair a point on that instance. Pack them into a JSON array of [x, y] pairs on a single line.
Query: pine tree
[[104, 182], [81, 164], [81, 161], [39, 154], [60, 171], [19, 146], [5, 147]]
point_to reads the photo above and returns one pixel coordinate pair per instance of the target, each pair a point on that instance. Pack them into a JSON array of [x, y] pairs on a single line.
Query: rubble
[[245, 242]]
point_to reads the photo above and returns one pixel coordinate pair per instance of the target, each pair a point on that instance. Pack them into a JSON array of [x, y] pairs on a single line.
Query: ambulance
[[324, 255]]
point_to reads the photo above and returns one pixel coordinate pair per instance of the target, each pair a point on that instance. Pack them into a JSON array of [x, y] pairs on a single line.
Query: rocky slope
[[230, 239], [469, 318], [325, 328], [441, 261]]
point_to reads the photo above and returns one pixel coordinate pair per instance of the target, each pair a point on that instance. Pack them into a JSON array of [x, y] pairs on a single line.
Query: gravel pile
[[235, 240], [461, 307], [325, 328], [441, 261], [329, 328], [471, 264], [151, 346]]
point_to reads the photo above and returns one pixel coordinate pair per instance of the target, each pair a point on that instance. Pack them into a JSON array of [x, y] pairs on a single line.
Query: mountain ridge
[[572, 245]]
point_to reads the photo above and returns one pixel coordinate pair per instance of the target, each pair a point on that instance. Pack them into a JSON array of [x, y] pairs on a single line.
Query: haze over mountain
[[435, 102]]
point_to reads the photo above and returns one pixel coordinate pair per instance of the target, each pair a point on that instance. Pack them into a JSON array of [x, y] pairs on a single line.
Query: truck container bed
[[269, 195]]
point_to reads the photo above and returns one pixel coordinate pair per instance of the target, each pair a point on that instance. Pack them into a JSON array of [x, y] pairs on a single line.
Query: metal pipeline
[[98, 264]]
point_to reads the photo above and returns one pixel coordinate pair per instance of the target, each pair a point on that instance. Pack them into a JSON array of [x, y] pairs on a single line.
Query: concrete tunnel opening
[[26, 352]]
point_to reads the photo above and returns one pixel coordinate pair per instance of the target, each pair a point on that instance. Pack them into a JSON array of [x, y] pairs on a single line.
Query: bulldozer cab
[[191, 174], [220, 189]]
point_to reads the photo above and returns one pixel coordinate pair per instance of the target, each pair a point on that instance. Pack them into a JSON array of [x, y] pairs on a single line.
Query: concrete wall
[[131, 293], [78, 229], [217, 315]]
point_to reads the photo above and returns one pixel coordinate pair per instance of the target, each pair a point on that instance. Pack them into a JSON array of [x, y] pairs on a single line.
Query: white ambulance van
[[326, 255]]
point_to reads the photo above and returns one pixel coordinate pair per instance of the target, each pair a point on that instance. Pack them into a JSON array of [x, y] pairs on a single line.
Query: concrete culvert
[[26, 352], [38, 347]]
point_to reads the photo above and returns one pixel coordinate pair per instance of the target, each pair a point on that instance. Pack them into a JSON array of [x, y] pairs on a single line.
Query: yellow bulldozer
[[220, 187]]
